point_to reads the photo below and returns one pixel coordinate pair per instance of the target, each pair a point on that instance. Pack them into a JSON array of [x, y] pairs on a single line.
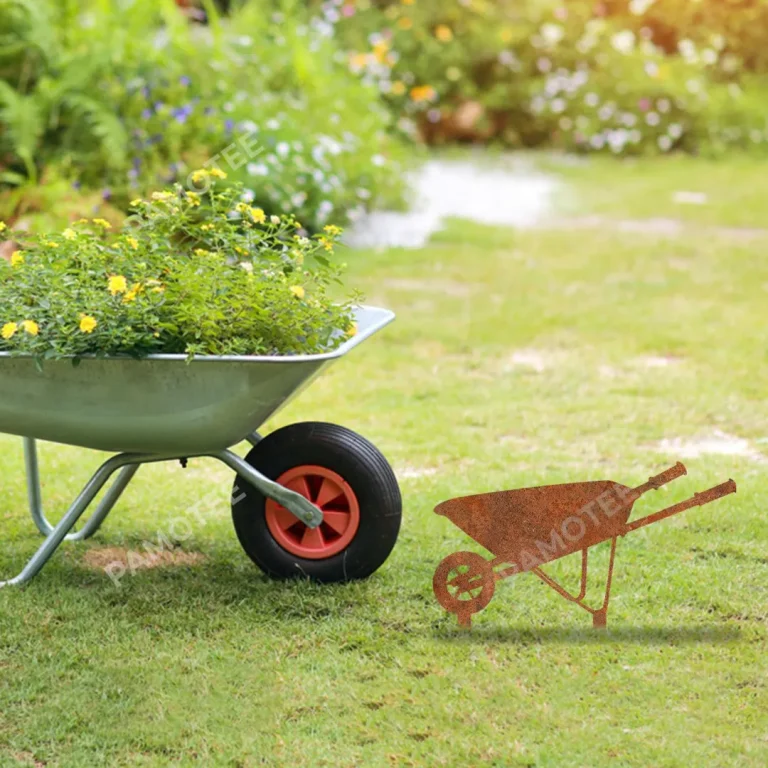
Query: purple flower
[[133, 174], [184, 80], [182, 113], [146, 114], [106, 194], [158, 106], [229, 126], [137, 163], [76, 184], [145, 91]]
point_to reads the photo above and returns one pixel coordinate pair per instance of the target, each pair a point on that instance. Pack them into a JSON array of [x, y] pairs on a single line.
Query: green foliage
[[127, 97], [194, 273]]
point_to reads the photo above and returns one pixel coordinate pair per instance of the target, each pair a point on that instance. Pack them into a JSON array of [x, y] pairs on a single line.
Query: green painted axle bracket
[[127, 464]]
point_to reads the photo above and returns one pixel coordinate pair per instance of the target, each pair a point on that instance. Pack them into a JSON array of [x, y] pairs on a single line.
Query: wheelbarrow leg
[[73, 514], [36, 500]]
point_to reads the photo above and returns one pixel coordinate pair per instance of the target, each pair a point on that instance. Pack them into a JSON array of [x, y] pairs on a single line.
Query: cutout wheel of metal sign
[[346, 478], [464, 584]]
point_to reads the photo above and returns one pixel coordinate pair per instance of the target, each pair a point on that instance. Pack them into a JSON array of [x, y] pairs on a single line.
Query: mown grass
[[517, 359]]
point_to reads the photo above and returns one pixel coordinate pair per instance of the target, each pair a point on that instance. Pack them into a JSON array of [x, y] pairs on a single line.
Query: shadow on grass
[[639, 635]]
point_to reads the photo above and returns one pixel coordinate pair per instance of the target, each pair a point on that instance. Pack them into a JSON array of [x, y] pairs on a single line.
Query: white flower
[[665, 143], [558, 106], [606, 112], [274, 219], [257, 169], [597, 141], [552, 34], [544, 64], [653, 118], [687, 50], [379, 160], [629, 119], [663, 105], [624, 41], [675, 130], [709, 56], [283, 149], [247, 266], [565, 123], [591, 99], [639, 7]]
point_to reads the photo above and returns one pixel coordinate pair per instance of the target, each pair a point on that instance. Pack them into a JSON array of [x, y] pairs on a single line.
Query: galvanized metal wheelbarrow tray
[[159, 408]]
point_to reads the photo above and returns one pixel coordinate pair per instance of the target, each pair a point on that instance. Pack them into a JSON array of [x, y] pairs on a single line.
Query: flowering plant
[[194, 272]]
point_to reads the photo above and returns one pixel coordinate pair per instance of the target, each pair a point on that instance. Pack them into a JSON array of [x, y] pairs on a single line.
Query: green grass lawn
[[519, 358]]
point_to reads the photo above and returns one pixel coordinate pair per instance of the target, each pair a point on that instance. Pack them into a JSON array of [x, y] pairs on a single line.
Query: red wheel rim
[[332, 495]]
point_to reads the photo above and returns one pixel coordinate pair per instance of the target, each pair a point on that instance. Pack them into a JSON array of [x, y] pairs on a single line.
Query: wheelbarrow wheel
[[464, 584], [347, 478]]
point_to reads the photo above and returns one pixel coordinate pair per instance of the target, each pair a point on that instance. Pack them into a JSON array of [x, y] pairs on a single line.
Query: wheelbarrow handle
[[697, 500], [654, 483]]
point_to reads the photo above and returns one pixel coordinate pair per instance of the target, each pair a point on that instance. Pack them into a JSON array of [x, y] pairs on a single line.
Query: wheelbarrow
[[310, 499], [526, 528]]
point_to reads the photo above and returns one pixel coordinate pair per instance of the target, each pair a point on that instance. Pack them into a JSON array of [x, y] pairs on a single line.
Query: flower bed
[[621, 76], [196, 272]]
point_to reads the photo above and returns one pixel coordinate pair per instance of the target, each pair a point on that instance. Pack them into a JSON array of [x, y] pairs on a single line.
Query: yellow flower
[[17, 259], [137, 201], [206, 227], [198, 176], [404, 23], [443, 33], [380, 50], [423, 93], [9, 329], [81, 221], [50, 244], [352, 331], [31, 327], [298, 291], [217, 173], [117, 284], [258, 215], [194, 199], [202, 252], [136, 289], [87, 323], [241, 251], [507, 34], [102, 223], [162, 197], [133, 242], [327, 244], [398, 88], [3, 226], [69, 234], [358, 60], [407, 2], [332, 230]]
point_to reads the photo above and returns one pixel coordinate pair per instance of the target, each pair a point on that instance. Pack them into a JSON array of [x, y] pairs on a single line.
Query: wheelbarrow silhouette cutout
[[526, 528]]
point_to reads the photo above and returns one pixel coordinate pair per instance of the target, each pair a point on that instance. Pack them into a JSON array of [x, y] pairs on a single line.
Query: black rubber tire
[[361, 465]]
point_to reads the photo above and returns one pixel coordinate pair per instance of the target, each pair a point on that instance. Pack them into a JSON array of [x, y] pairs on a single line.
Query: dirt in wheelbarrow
[[99, 559]]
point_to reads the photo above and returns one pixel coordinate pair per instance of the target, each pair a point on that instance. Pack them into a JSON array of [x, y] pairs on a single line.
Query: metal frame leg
[[295, 503], [36, 500], [80, 504], [128, 463]]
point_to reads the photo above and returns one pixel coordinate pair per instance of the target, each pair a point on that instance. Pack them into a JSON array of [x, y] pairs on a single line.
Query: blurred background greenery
[[104, 100]]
